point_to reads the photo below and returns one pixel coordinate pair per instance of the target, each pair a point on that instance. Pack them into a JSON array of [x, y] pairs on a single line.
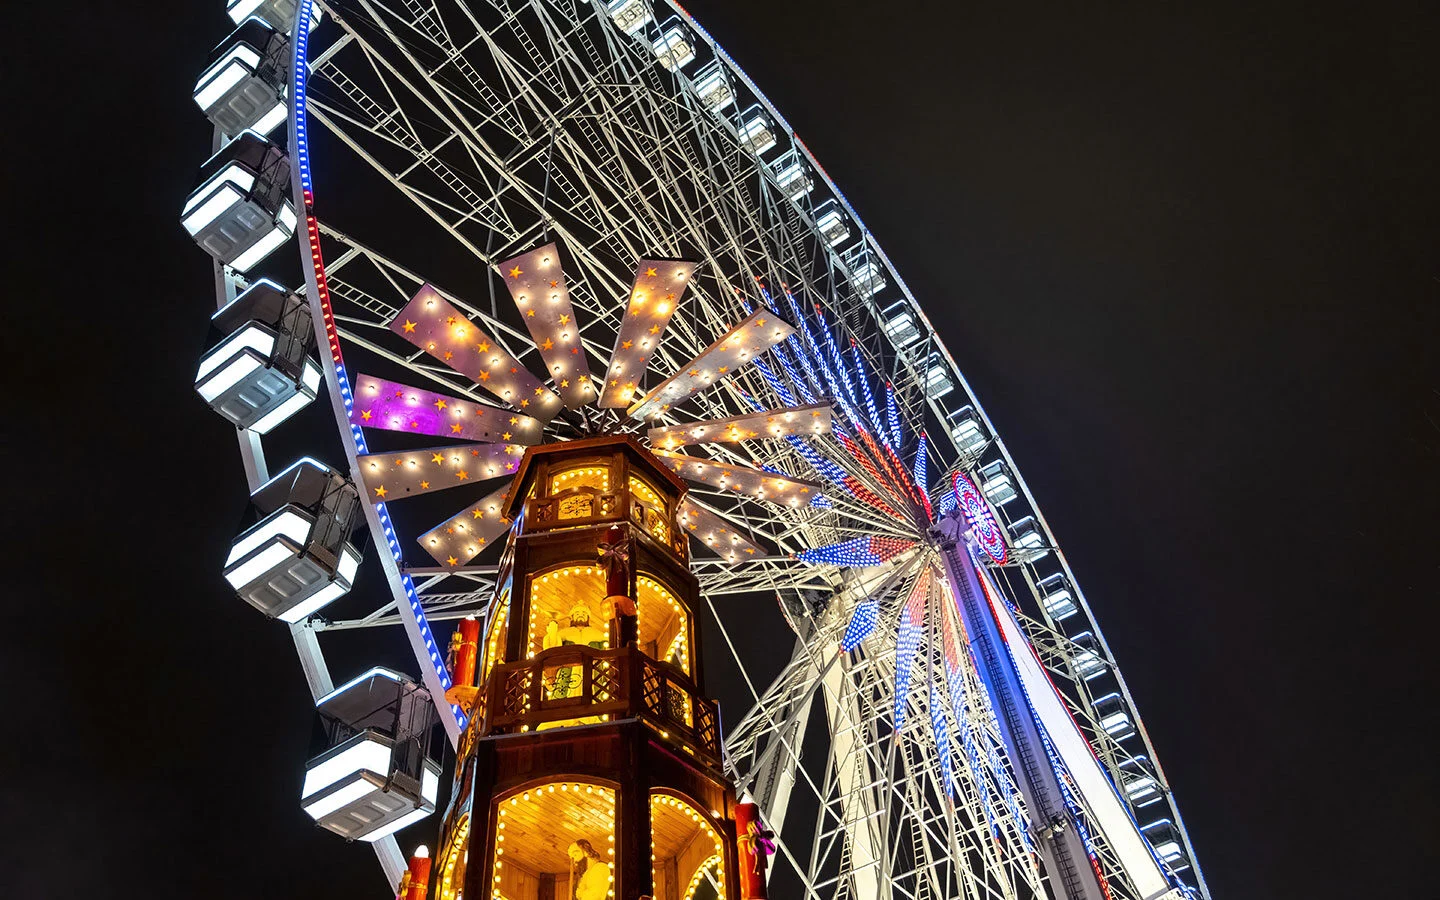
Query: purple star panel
[[458, 539], [715, 533], [537, 284], [658, 289], [393, 476], [762, 485], [871, 550], [392, 406], [434, 325], [811, 419], [759, 331]]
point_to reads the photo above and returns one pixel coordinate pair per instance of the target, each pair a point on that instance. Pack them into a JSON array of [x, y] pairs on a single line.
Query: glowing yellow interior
[[683, 845], [535, 832]]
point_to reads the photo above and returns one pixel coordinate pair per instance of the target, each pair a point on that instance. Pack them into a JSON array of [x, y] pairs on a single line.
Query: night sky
[[1188, 255]]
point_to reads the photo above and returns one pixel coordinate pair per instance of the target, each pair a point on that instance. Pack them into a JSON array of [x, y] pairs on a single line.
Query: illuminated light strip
[[867, 395], [920, 472], [892, 414], [817, 357], [870, 550], [433, 324], [773, 487], [836, 358], [298, 78], [907, 642], [742, 344], [810, 388], [941, 731], [390, 476], [866, 463], [704, 526], [536, 282], [862, 624], [810, 419], [656, 293], [897, 471]]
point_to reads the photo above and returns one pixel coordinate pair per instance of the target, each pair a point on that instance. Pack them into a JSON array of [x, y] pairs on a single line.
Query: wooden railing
[[577, 685]]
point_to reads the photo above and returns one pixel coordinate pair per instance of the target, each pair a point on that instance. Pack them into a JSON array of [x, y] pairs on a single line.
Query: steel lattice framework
[[623, 132]]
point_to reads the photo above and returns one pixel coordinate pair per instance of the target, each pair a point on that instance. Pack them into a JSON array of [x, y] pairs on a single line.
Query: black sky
[[1187, 254]]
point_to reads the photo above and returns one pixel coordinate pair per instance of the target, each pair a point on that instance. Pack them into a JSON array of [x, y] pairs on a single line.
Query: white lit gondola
[[938, 382], [968, 432], [756, 134], [375, 774], [996, 484], [712, 86], [298, 558], [674, 49], [1056, 597], [629, 15], [899, 324], [830, 222], [261, 373], [243, 87], [792, 176], [278, 14], [242, 211]]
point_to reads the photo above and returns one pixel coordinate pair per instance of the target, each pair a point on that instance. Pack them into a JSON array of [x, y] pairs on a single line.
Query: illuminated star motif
[[366, 415], [424, 485], [650, 273], [440, 404], [477, 514], [437, 458], [455, 428], [546, 346], [452, 561], [483, 347], [654, 329], [462, 474], [409, 326], [625, 345], [381, 492], [515, 272]]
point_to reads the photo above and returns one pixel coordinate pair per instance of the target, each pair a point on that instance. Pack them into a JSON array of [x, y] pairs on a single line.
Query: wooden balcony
[[577, 685]]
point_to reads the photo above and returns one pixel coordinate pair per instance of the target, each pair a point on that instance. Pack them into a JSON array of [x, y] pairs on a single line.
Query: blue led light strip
[[299, 78]]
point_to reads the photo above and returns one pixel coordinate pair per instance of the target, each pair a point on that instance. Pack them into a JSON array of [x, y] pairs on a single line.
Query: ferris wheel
[[559, 219]]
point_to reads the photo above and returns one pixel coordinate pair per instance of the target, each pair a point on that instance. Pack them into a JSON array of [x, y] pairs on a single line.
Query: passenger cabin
[[967, 431], [298, 558], [792, 176], [900, 323], [260, 373], [675, 47], [242, 210], [243, 87], [712, 86], [1057, 598], [630, 16], [756, 134], [376, 771], [938, 382], [996, 484], [831, 224], [278, 14], [1111, 715]]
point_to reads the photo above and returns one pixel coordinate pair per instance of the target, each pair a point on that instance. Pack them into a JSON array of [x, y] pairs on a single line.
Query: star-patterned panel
[[434, 325], [808, 420], [460, 538], [392, 476], [537, 284], [760, 331], [655, 295], [715, 533], [391, 406], [762, 485]]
